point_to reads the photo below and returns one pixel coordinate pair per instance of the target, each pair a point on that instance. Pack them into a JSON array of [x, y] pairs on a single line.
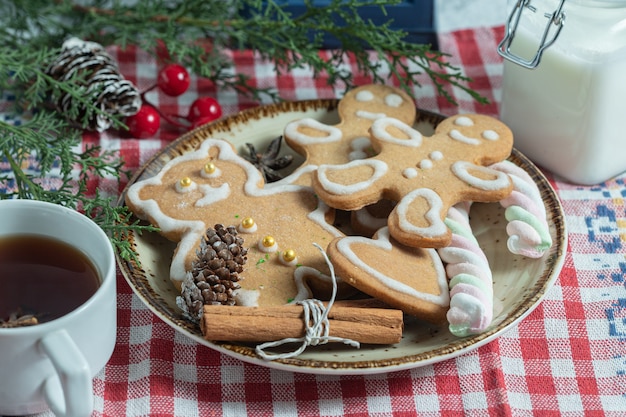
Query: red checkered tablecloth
[[566, 358]]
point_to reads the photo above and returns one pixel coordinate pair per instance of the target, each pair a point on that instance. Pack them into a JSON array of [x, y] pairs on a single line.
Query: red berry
[[145, 123], [173, 80], [204, 108]]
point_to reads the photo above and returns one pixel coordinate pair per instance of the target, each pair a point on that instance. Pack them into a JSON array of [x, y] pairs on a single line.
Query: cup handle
[[69, 392]]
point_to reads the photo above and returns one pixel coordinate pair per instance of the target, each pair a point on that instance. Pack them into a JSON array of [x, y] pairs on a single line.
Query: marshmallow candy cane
[[525, 212], [469, 275]]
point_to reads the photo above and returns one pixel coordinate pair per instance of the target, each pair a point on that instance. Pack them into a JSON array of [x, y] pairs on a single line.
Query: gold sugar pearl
[[209, 168], [247, 223], [268, 241], [289, 255], [185, 182]]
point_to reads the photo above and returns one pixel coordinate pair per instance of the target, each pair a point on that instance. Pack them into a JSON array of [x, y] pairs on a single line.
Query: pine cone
[[101, 83], [215, 272]]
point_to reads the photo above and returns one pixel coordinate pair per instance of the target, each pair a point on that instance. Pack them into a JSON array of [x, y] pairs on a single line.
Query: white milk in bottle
[[564, 86]]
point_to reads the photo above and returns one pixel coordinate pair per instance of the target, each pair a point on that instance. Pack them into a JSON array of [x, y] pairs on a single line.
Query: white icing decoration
[[380, 169], [247, 298], [490, 135], [393, 100], [356, 155], [250, 229], [364, 95], [267, 249], [461, 170], [364, 217], [463, 121], [304, 273], [188, 243], [319, 216], [436, 155], [185, 189], [363, 114], [460, 137], [379, 131], [382, 241], [213, 194], [293, 262], [291, 131], [359, 146], [215, 174], [360, 143], [293, 177], [426, 164], [433, 215], [410, 173]]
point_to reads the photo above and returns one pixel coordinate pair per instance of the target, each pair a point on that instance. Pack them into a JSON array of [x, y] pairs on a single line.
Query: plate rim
[[556, 257]]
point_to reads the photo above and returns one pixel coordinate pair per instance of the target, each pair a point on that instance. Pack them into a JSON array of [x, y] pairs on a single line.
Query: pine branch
[[261, 25], [57, 161], [117, 221]]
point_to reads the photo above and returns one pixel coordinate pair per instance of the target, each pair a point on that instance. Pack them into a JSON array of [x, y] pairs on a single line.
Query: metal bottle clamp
[[556, 18]]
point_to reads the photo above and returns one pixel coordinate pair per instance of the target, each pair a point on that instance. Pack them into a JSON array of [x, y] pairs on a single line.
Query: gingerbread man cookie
[[279, 225], [424, 175], [410, 279], [325, 144]]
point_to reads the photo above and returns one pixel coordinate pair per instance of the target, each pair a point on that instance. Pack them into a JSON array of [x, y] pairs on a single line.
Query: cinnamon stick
[[263, 324]]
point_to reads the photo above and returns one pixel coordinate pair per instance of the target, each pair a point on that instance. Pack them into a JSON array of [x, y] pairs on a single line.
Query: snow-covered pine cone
[[214, 276], [101, 83]]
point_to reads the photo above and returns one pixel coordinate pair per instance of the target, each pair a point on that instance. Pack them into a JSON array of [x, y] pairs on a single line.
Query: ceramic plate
[[519, 283]]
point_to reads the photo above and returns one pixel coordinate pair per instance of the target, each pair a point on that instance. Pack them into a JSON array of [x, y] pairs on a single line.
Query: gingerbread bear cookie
[[424, 175], [214, 185], [410, 279], [326, 144]]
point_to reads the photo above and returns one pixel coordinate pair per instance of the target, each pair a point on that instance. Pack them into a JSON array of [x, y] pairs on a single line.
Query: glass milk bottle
[[564, 85]]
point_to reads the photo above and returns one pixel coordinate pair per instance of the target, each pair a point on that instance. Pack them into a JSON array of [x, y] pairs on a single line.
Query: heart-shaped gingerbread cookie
[[410, 279]]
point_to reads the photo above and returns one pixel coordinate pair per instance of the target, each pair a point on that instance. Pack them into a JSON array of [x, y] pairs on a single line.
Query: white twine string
[[316, 324]]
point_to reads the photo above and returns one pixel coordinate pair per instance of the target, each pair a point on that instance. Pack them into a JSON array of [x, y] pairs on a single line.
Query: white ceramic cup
[[51, 365]]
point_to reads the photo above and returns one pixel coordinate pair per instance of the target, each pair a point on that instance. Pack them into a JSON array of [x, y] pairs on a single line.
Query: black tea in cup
[[42, 279]]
